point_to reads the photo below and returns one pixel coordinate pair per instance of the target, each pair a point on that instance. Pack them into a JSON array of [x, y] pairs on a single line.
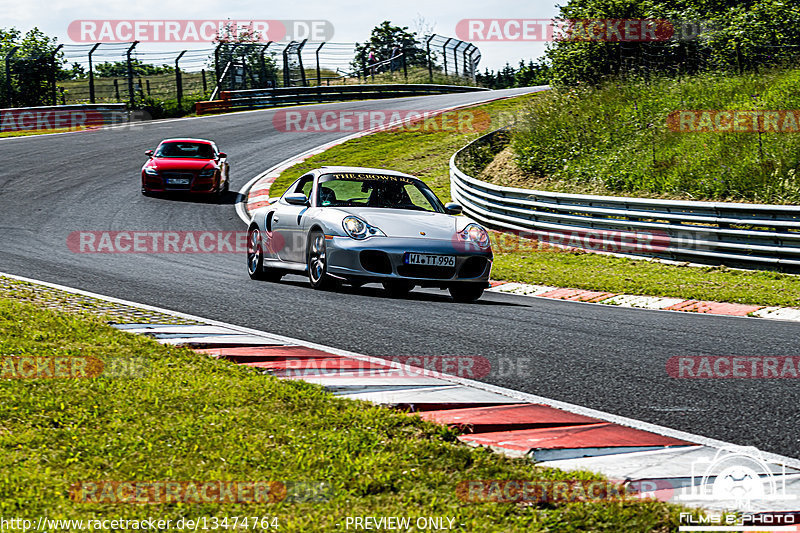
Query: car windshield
[[186, 150], [376, 190]]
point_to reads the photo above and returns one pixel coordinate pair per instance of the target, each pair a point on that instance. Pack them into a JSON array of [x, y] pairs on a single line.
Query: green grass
[[423, 153], [25, 133], [614, 140], [193, 418], [427, 155]]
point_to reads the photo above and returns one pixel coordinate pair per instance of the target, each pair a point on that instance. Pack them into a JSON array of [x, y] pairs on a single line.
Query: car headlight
[[358, 229], [476, 234], [151, 171], [208, 173]]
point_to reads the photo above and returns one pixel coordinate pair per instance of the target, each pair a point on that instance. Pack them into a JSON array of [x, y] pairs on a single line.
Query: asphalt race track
[[607, 358]]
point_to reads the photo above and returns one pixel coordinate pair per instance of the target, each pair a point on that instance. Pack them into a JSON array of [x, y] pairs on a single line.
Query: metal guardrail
[[734, 234], [264, 98]]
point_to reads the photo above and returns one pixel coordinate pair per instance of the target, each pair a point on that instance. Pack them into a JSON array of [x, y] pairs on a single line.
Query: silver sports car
[[362, 225]]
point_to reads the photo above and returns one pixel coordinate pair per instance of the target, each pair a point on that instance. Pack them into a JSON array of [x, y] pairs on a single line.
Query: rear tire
[[317, 262], [397, 288], [255, 258], [466, 292]]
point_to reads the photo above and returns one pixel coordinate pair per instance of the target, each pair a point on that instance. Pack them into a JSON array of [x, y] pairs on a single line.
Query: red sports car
[[185, 165]]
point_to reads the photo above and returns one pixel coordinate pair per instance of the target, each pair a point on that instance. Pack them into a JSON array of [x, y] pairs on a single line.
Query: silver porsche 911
[[364, 225]]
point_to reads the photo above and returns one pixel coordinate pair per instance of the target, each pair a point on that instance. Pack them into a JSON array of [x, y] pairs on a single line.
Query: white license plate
[[178, 181], [431, 260]]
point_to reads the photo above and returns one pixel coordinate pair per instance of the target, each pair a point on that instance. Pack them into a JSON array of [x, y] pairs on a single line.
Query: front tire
[[466, 292], [317, 262], [255, 258]]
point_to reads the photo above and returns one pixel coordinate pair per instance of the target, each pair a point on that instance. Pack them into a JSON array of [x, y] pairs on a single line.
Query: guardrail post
[[444, 53], [430, 61], [319, 73], [91, 73], [9, 94], [131, 96], [52, 61], [178, 79]]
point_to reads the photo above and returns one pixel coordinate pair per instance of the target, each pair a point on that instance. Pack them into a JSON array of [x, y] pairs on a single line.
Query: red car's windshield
[[186, 150]]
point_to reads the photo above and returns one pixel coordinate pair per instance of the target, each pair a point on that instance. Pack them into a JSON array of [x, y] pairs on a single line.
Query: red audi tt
[[185, 165]]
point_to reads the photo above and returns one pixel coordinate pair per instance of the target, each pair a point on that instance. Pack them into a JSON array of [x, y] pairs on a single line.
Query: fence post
[[464, 56], [264, 82], [430, 61], [91, 73], [9, 95], [205, 84], [444, 53], [179, 79], [216, 63], [287, 80], [53, 67], [405, 62], [455, 57], [300, 60], [116, 89], [319, 74], [130, 74], [472, 63], [245, 50]]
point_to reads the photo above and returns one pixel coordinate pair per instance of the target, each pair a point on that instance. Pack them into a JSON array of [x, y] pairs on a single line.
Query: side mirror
[[149, 153], [222, 155], [453, 208], [296, 198]]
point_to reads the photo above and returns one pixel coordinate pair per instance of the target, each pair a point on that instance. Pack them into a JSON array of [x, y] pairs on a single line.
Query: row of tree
[[733, 35]]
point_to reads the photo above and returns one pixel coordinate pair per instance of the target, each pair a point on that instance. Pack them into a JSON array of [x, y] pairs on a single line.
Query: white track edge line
[[522, 396]]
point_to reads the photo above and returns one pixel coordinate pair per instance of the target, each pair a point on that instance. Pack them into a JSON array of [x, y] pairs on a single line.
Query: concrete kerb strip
[[651, 303], [485, 387]]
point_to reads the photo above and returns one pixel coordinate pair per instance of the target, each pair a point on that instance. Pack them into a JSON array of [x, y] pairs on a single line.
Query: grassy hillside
[[615, 140]]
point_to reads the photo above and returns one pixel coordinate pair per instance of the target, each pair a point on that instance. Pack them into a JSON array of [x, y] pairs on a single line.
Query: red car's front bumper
[[187, 182]]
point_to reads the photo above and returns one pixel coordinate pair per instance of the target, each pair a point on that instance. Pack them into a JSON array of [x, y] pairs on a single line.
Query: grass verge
[[427, 155], [615, 139], [192, 418]]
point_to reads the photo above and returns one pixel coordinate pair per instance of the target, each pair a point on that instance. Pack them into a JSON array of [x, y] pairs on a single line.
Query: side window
[[307, 187], [304, 185]]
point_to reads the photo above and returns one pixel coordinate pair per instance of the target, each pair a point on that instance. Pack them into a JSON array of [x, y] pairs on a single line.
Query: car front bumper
[[383, 258]]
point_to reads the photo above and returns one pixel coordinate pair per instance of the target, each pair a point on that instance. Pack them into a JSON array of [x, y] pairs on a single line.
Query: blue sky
[[352, 20]]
